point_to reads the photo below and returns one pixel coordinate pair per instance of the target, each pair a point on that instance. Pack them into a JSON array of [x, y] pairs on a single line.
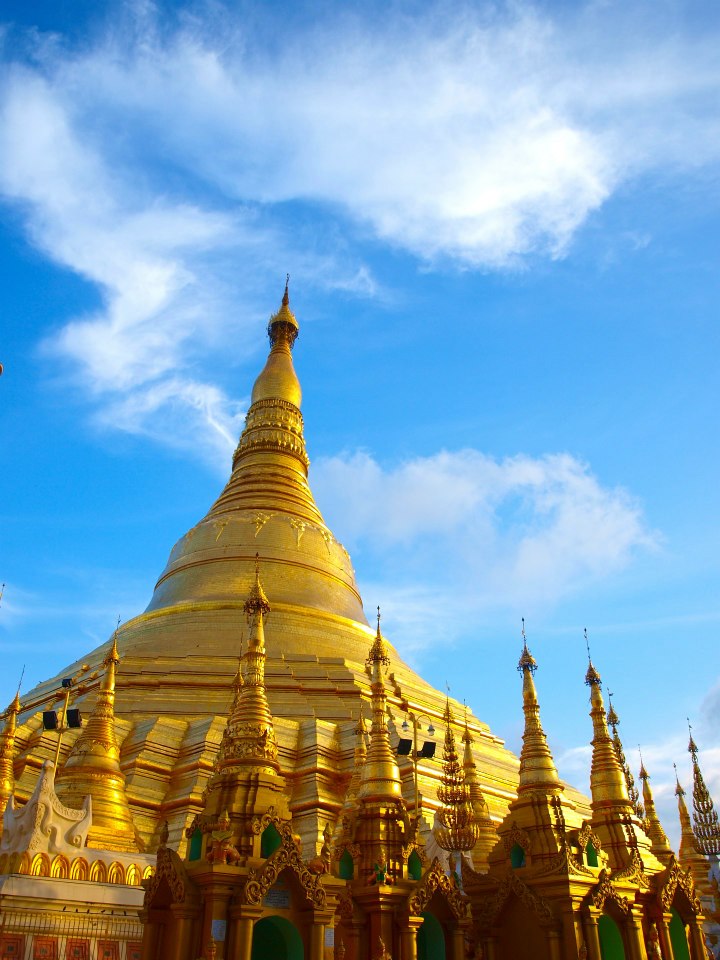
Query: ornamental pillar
[[592, 936], [180, 946], [635, 936], [408, 937], [242, 919], [663, 929], [150, 940], [317, 940], [697, 941], [554, 944], [216, 909], [457, 943]]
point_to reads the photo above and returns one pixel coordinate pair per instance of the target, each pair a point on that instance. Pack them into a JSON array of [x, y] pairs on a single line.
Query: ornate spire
[[705, 826], [688, 854], [632, 790], [278, 379], [7, 754], [660, 845], [93, 769], [249, 740], [458, 829], [484, 826], [537, 767], [607, 780], [381, 777]]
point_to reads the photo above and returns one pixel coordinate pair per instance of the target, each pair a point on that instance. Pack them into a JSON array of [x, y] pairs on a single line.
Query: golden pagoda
[[179, 657]]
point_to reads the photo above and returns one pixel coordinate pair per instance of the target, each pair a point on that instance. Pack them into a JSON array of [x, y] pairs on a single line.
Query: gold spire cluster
[[249, 739], [458, 828], [633, 794], [537, 767], [660, 845], [705, 826], [688, 854], [93, 769], [607, 780], [381, 777]]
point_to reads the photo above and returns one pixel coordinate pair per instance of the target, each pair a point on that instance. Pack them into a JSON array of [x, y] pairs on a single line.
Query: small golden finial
[[378, 620], [692, 746], [286, 295], [113, 656], [644, 775], [256, 602], [612, 717], [378, 650], [2, 591], [679, 792], [592, 677], [526, 661]]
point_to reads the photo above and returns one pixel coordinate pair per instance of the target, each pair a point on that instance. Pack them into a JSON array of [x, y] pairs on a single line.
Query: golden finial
[[113, 656], [660, 845], [283, 327], [378, 651], [527, 661], [286, 295], [256, 602], [592, 677], [458, 829], [2, 591], [679, 792], [643, 775], [612, 717]]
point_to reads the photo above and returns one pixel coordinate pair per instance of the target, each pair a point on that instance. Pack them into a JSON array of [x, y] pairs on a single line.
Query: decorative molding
[[605, 890], [667, 883], [516, 835], [286, 857], [512, 884], [170, 868], [634, 872], [434, 880]]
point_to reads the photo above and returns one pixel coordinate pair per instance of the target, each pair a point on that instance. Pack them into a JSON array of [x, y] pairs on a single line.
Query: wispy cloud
[[499, 533], [166, 163]]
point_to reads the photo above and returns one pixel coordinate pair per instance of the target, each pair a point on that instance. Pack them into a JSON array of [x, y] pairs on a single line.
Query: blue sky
[[501, 226]]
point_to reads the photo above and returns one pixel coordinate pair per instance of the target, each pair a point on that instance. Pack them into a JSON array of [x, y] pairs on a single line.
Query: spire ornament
[[607, 780], [93, 769], [633, 794], [660, 844], [705, 819], [458, 828], [537, 767]]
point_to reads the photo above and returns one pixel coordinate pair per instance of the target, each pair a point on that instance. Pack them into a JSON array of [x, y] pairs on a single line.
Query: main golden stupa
[[178, 658]]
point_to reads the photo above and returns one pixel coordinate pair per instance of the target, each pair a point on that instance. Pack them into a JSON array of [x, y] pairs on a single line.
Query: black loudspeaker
[[404, 747], [67, 683], [50, 720], [428, 750], [74, 720]]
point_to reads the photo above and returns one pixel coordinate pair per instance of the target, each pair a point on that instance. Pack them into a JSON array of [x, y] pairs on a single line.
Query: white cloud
[[497, 533], [157, 162]]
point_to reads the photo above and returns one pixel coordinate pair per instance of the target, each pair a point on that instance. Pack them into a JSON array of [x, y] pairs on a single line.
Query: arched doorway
[[611, 941], [678, 937], [278, 938], [430, 938]]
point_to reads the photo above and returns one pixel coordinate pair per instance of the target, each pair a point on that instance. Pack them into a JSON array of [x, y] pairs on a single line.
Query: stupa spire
[[607, 780], [632, 790], [705, 826], [249, 741], [537, 767], [486, 835], [7, 754], [688, 855], [93, 769], [381, 777], [660, 845]]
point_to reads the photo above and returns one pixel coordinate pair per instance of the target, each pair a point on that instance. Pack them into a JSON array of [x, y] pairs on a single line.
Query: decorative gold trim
[[286, 857], [434, 880], [605, 890]]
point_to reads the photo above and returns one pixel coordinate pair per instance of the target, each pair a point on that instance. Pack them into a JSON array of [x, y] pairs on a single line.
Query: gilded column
[[317, 940], [408, 937], [592, 935], [7, 755], [697, 941], [663, 927], [183, 919], [636, 938], [457, 944]]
